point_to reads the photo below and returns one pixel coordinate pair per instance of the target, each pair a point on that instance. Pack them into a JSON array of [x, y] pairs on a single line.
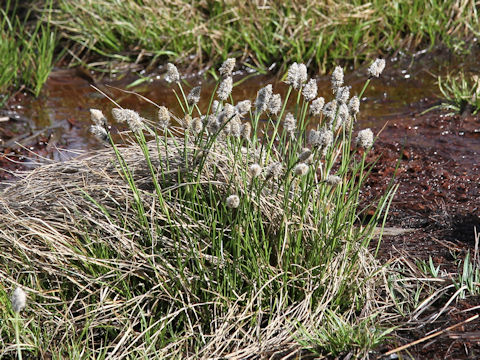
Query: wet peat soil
[[438, 197], [439, 200]]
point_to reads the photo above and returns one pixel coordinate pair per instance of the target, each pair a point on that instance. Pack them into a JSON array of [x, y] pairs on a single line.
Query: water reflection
[[62, 110]]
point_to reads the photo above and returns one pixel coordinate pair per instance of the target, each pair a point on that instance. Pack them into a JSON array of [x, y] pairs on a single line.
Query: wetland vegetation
[[236, 226]]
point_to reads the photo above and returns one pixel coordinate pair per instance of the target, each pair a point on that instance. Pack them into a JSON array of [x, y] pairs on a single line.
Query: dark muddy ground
[[438, 162], [439, 197]]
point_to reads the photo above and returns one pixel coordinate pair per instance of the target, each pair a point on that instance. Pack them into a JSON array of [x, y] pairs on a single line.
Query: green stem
[[364, 88], [17, 336]]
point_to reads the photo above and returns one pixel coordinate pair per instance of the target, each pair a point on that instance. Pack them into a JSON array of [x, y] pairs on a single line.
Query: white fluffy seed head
[[212, 124], [232, 202], [194, 95], [229, 111], [300, 169], [243, 107], [364, 138], [197, 125], [236, 127], [275, 104], [225, 88], [227, 67], [330, 109], [124, 115], [98, 118], [290, 124], [343, 93], [322, 138], [376, 68], [306, 156], [296, 75], [18, 299], [172, 73], [354, 105], [99, 132], [333, 180], [246, 131], [337, 78], [316, 106], [255, 170], [163, 117], [326, 137], [313, 138], [263, 98], [302, 74], [119, 115], [310, 90], [292, 75], [134, 121], [274, 170]]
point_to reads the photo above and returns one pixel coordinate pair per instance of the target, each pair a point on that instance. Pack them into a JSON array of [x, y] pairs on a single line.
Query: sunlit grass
[[461, 93], [104, 33], [316, 32], [27, 50]]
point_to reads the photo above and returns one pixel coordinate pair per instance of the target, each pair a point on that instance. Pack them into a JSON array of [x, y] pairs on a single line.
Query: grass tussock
[[315, 32], [226, 237]]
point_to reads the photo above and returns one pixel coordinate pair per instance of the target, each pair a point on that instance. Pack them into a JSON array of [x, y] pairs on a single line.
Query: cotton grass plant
[[232, 235]]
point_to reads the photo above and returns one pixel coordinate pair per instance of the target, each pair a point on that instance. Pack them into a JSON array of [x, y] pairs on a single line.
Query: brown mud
[[438, 158]]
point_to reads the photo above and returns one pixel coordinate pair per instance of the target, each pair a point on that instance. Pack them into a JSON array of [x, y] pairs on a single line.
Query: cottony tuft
[[99, 132], [300, 169], [194, 95], [263, 98], [364, 138], [163, 117], [310, 90], [296, 75], [98, 118], [172, 73], [354, 105], [333, 180], [316, 106], [255, 170], [275, 104], [243, 107], [290, 124], [343, 93], [227, 67], [134, 121], [225, 88], [376, 68], [18, 299], [233, 201], [337, 78]]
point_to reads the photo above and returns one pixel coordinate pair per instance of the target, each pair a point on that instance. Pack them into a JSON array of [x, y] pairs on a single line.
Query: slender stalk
[[17, 335]]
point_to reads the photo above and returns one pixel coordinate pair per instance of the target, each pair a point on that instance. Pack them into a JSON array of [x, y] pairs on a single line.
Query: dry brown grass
[[88, 266]]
